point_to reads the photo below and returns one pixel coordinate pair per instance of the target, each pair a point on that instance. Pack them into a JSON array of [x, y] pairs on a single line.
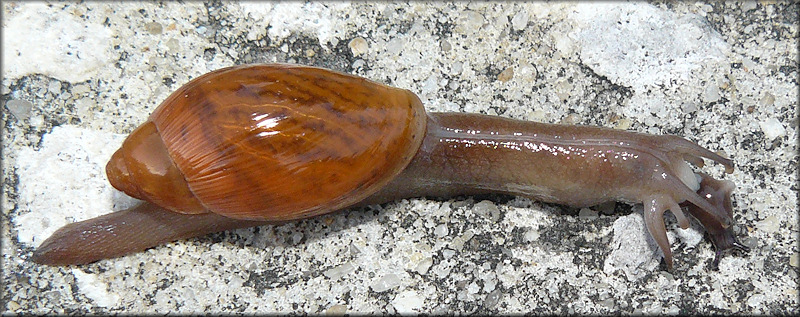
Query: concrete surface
[[78, 77]]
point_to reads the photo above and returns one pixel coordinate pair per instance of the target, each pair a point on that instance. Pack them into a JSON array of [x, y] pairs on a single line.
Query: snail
[[257, 144]]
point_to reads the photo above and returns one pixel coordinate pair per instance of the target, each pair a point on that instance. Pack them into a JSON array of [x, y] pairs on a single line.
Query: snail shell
[[244, 142]]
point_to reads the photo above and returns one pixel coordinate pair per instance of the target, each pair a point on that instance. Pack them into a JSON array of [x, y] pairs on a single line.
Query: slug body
[[257, 144]]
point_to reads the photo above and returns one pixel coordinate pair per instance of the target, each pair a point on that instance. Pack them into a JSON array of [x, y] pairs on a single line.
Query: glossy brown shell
[[282, 142]]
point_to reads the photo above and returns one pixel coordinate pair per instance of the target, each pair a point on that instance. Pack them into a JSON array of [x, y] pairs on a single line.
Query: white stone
[[487, 209], [711, 93], [339, 271], [95, 290], [423, 265], [358, 46], [441, 230], [531, 235], [633, 252], [772, 129], [692, 236], [385, 283], [64, 181], [520, 20], [287, 18], [769, 224], [408, 302], [46, 40], [21, 109], [612, 43]]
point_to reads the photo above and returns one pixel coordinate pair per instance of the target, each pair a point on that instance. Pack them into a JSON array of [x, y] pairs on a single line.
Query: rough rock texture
[[78, 77]]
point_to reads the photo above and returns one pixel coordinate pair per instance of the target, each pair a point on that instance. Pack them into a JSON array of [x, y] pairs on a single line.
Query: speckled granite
[[78, 77]]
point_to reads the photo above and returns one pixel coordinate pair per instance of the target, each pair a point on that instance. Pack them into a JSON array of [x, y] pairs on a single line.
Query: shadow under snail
[[256, 144]]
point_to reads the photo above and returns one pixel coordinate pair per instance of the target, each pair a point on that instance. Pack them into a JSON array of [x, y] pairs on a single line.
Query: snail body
[[256, 144]]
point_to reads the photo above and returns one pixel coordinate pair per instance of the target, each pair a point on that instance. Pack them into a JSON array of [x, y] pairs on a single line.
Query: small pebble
[[772, 129], [154, 28], [358, 46], [441, 230], [471, 21], [492, 299], [337, 310], [385, 283], [520, 20], [711, 93], [748, 5], [173, 45], [571, 119], [12, 306], [395, 46], [80, 89], [458, 242], [54, 87], [532, 235], [748, 64], [689, 107], [487, 209], [768, 225], [21, 109], [767, 100], [424, 265], [506, 75], [407, 302], [339, 271], [587, 213], [445, 45]]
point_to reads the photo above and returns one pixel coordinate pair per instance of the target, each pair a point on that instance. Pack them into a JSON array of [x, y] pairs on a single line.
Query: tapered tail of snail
[[128, 231], [256, 144]]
